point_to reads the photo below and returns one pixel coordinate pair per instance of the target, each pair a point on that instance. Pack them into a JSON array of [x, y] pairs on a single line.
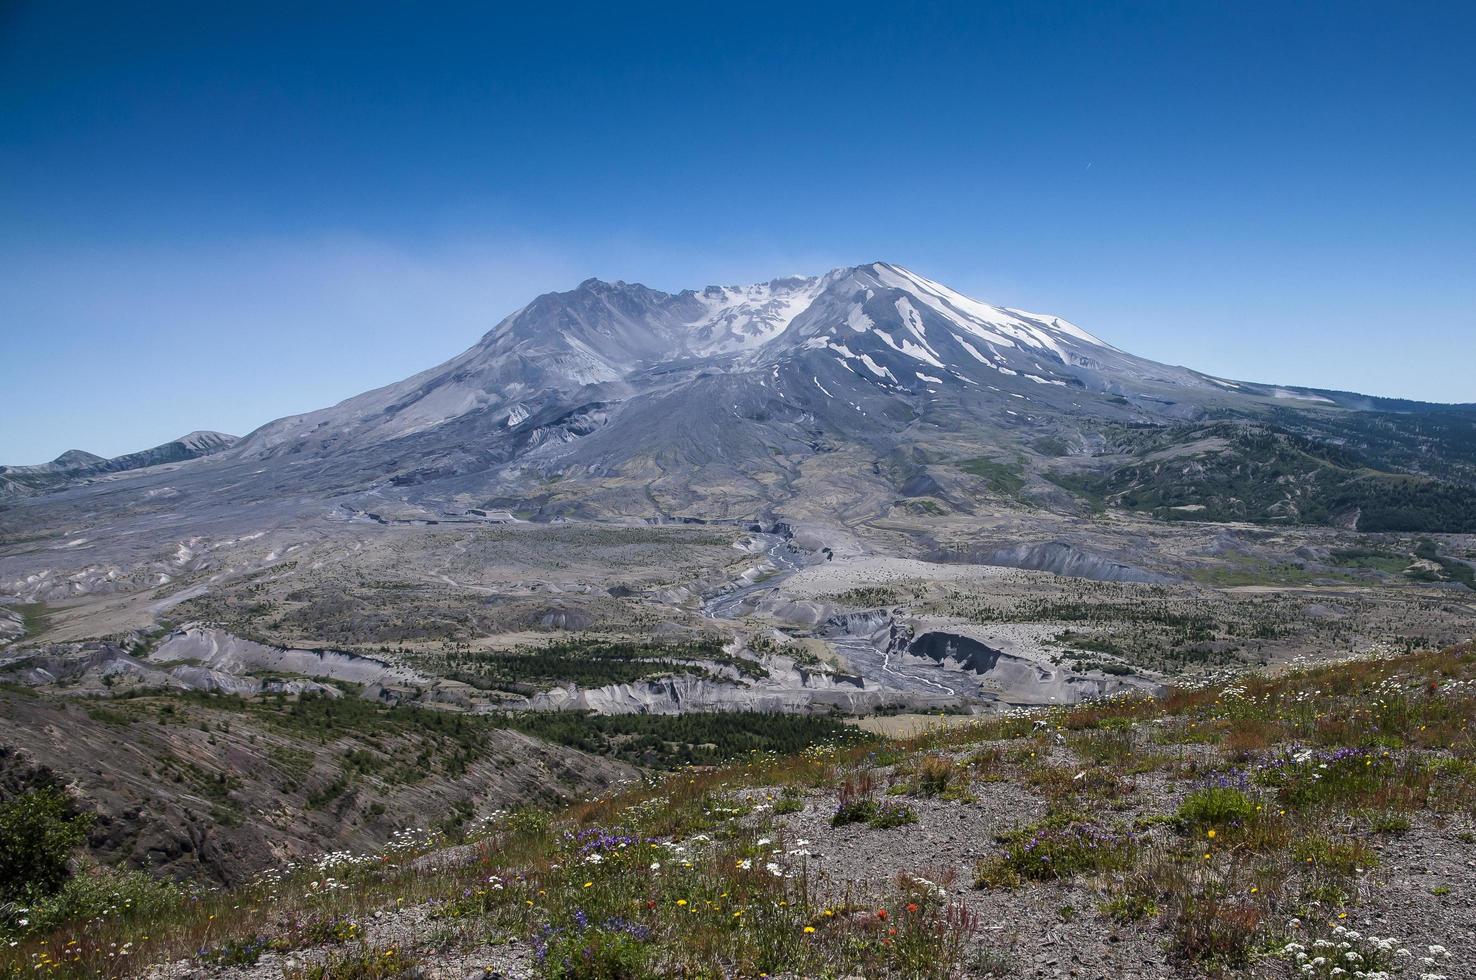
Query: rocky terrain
[[1314, 822], [630, 531], [213, 793]]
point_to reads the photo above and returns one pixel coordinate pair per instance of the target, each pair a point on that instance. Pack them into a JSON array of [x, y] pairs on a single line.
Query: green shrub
[[1335, 855], [854, 811], [791, 800], [672, 741], [596, 954], [1211, 928], [101, 894], [1215, 806], [1129, 907], [389, 964], [1055, 849], [1393, 824], [528, 822], [1315, 778], [996, 873], [890, 815], [236, 952], [38, 833], [326, 931]]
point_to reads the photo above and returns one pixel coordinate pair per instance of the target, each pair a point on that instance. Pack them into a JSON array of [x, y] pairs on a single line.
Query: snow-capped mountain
[[608, 342], [591, 339], [735, 318], [906, 329], [727, 385], [726, 401]]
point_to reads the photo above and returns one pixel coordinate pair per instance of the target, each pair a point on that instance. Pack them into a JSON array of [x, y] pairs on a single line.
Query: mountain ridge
[[618, 399], [76, 464], [602, 332]]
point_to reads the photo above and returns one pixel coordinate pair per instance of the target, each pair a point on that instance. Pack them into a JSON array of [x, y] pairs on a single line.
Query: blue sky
[[212, 215]]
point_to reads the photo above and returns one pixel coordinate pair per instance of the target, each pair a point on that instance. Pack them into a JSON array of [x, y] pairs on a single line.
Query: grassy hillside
[[1240, 830], [1230, 471]]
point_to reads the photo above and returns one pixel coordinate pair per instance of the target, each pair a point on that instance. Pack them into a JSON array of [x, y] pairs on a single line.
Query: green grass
[[405, 742], [1215, 806], [35, 619], [998, 477], [869, 596], [924, 505], [1453, 569], [1055, 849], [587, 663], [1083, 485], [667, 741], [1241, 572], [1371, 559]]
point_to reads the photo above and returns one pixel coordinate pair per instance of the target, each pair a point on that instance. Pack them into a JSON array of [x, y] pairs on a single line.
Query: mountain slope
[[1229, 471], [75, 465], [613, 379], [589, 340], [893, 362], [869, 388]]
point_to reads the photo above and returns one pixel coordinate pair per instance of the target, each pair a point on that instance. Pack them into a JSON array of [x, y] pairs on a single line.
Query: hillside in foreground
[[1317, 822]]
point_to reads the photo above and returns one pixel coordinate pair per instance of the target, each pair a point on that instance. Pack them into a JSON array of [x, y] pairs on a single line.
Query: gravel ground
[[1025, 926], [1038, 939], [1422, 893], [842, 574], [411, 929]]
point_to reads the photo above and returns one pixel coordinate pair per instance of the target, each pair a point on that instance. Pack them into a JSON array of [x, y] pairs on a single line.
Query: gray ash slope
[[867, 386], [76, 466]]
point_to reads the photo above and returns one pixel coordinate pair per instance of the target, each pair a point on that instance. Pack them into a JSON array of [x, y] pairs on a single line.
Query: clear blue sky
[[215, 214]]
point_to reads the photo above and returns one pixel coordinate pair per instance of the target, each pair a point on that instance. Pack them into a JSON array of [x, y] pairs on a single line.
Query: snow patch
[[909, 348], [1301, 396], [857, 320], [1006, 327], [973, 350], [967, 314], [875, 368], [1062, 326], [744, 317], [912, 320]]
